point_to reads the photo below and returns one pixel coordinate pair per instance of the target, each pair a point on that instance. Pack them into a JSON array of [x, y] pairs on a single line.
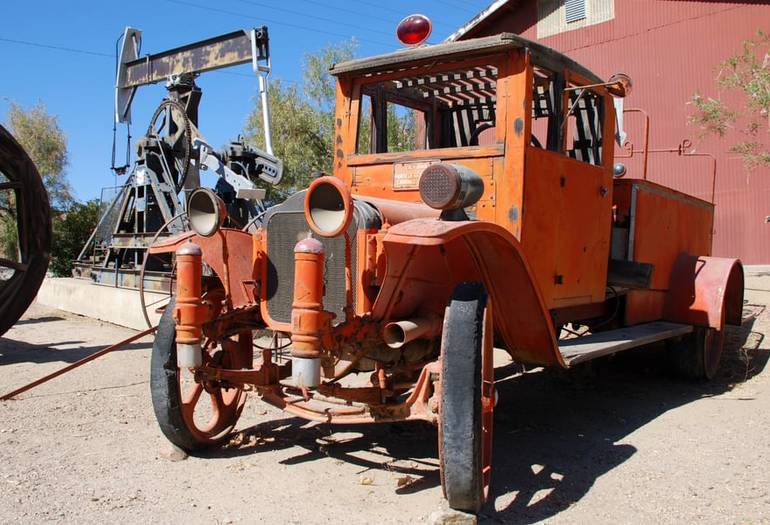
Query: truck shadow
[[561, 431], [556, 433]]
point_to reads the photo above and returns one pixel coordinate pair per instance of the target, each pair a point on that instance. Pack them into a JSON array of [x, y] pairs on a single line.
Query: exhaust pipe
[[397, 334]]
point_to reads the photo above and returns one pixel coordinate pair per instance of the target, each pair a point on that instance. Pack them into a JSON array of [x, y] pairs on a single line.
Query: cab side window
[[566, 118], [450, 109], [546, 109], [585, 122]]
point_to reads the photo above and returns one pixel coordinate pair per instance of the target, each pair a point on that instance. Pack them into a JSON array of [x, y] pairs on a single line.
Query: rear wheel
[[697, 355], [194, 413], [467, 399]]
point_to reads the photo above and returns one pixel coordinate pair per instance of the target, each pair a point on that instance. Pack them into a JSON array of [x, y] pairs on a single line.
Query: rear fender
[[705, 291], [427, 258], [229, 254]]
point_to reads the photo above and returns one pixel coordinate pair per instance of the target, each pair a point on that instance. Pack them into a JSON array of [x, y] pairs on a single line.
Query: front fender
[[427, 258], [229, 253]]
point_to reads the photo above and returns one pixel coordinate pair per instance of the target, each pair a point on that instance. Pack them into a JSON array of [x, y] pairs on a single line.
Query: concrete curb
[[118, 306]]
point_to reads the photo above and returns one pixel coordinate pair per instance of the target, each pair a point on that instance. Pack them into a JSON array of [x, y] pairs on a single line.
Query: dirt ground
[[619, 441]]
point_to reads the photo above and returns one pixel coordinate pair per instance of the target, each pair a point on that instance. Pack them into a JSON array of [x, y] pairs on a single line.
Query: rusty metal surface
[[705, 291], [229, 253], [309, 321], [428, 258], [189, 311], [214, 53], [566, 209], [420, 404], [394, 212], [671, 51], [643, 306], [284, 225], [665, 223]]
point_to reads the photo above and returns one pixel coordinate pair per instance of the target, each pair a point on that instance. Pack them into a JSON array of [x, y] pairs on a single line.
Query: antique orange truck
[[495, 218]]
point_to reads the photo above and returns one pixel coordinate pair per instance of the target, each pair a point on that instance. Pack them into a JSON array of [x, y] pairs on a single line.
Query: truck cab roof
[[405, 59]]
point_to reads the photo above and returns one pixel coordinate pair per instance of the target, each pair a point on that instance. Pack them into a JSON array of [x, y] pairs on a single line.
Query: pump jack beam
[[232, 49], [76, 364], [238, 47]]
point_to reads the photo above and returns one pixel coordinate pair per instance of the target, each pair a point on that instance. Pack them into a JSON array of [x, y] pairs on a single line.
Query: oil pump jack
[[151, 204]]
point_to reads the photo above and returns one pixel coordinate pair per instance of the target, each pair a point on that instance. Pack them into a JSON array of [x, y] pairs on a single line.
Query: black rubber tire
[[460, 412], [165, 390], [35, 240], [696, 356]]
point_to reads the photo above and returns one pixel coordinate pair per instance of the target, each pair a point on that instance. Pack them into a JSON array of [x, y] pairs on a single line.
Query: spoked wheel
[[171, 123], [466, 413], [697, 355], [194, 413], [25, 224], [157, 276]]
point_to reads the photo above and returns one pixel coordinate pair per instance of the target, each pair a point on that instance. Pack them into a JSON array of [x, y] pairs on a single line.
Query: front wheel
[[194, 413], [467, 398]]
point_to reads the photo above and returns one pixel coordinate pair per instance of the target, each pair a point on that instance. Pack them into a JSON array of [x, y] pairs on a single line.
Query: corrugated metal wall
[[671, 50]]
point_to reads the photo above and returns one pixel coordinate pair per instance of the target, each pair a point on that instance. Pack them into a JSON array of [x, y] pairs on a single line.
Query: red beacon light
[[414, 30]]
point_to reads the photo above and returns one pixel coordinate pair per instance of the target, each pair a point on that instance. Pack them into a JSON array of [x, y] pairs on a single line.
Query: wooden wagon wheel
[[466, 411], [28, 218], [194, 413]]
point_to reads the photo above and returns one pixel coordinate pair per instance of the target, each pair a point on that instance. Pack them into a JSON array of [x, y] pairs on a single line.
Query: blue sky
[[78, 87]]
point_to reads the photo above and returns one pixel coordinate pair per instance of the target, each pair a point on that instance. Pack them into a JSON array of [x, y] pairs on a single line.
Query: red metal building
[[671, 49]]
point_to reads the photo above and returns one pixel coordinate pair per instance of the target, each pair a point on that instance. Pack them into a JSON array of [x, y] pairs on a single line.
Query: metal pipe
[[397, 334], [76, 364], [263, 87], [394, 212], [645, 151]]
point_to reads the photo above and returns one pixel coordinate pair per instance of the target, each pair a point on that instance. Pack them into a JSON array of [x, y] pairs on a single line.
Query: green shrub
[[70, 232]]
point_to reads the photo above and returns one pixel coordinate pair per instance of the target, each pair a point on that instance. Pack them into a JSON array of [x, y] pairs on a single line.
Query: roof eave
[[476, 20]]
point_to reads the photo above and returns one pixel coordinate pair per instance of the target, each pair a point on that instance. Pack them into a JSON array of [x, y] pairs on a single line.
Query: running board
[[581, 349]]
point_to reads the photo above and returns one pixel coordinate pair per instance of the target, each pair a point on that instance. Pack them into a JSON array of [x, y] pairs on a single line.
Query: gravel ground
[[618, 441]]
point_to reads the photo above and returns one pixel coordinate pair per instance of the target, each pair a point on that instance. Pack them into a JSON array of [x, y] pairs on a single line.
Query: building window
[[559, 16], [574, 10]]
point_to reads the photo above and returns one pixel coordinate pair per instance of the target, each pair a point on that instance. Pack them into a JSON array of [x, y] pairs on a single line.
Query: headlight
[[206, 212], [450, 186], [328, 206]]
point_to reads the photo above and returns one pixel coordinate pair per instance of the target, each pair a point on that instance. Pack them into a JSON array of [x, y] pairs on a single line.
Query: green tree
[[70, 233], [748, 74], [42, 138], [319, 85], [302, 118], [297, 137]]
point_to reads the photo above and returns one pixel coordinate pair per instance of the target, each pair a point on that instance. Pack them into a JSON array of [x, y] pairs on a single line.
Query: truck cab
[[516, 114]]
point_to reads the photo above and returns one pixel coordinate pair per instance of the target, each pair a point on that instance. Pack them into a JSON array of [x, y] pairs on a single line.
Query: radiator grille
[[284, 229]]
